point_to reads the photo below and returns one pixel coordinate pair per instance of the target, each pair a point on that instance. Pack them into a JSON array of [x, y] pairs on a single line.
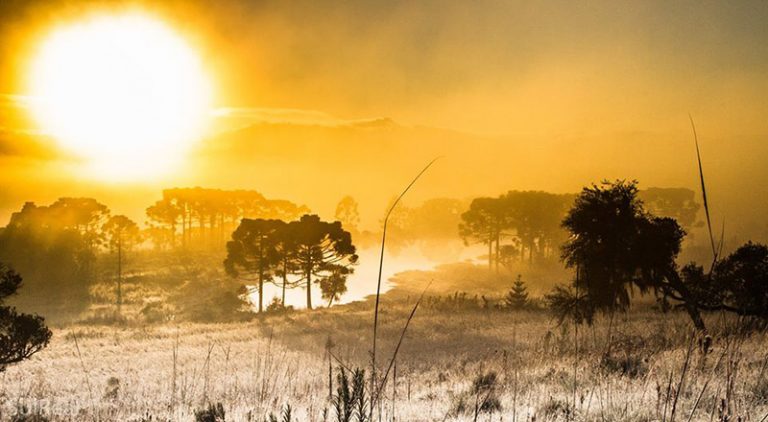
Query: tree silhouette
[[335, 285], [484, 222], [164, 216], [207, 216], [677, 203], [66, 236], [743, 276], [348, 214], [535, 217], [738, 283], [615, 245], [122, 234], [323, 250], [87, 216], [285, 249], [252, 252], [21, 335], [517, 296]]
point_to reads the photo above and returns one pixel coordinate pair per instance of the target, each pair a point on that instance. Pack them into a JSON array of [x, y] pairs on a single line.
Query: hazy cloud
[[236, 118]]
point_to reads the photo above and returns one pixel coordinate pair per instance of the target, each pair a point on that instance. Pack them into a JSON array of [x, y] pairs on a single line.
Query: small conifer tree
[[517, 296]]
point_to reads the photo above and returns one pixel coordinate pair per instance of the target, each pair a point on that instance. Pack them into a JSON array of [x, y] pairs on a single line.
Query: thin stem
[[378, 281]]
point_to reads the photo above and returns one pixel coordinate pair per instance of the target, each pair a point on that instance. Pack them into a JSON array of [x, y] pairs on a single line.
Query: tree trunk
[[285, 279], [119, 274], [183, 229], [261, 294], [261, 283], [309, 289], [490, 252], [498, 235], [530, 252], [690, 305]]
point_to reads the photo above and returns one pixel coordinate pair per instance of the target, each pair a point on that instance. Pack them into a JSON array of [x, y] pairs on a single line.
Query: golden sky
[[316, 100]]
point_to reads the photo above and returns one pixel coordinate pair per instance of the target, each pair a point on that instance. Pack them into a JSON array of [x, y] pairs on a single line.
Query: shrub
[[156, 312], [21, 335], [482, 397], [350, 402], [212, 413], [760, 391], [627, 364], [113, 388], [276, 306], [554, 409], [104, 316], [517, 296]]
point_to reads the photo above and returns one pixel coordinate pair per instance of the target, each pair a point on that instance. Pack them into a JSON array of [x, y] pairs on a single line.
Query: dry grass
[[258, 367]]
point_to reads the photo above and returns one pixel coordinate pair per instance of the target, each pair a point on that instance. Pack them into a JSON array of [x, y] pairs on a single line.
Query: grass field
[[457, 357]]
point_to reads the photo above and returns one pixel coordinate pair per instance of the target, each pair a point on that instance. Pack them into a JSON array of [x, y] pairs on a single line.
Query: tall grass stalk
[[400, 341], [706, 383], [681, 383], [378, 281], [85, 373], [704, 190]]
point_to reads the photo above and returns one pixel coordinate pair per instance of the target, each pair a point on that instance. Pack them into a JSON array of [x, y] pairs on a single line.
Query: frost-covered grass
[[254, 368]]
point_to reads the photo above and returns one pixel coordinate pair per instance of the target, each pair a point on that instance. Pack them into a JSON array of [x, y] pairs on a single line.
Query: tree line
[[70, 234], [526, 225], [204, 218], [522, 225], [57, 247]]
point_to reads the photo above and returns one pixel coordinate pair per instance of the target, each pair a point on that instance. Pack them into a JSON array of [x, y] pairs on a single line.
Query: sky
[[317, 100]]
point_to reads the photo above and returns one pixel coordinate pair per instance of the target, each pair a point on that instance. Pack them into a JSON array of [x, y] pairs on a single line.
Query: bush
[[482, 397], [112, 389], [104, 316], [760, 391], [349, 400], [517, 296], [554, 409], [156, 312], [213, 413], [21, 335], [276, 306], [627, 364]]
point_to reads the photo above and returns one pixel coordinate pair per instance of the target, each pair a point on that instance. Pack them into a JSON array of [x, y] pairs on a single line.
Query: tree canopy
[[322, 250], [616, 245], [203, 218], [21, 335], [66, 236], [307, 251], [253, 252], [522, 224]]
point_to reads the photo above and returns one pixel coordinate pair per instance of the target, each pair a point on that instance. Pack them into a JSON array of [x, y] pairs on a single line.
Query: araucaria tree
[[484, 222], [615, 245], [21, 335], [122, 235], [517, 296], [347, 213], [324, 254], [252, 253], [299, 253]]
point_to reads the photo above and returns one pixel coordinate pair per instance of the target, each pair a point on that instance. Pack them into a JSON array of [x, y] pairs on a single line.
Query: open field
[[650, 371]]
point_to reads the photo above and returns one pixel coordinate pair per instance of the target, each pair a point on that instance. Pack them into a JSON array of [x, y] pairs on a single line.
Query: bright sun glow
[[124, 92]]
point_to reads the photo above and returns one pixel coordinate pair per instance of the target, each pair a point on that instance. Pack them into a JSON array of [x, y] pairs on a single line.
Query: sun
[[124, 92]]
